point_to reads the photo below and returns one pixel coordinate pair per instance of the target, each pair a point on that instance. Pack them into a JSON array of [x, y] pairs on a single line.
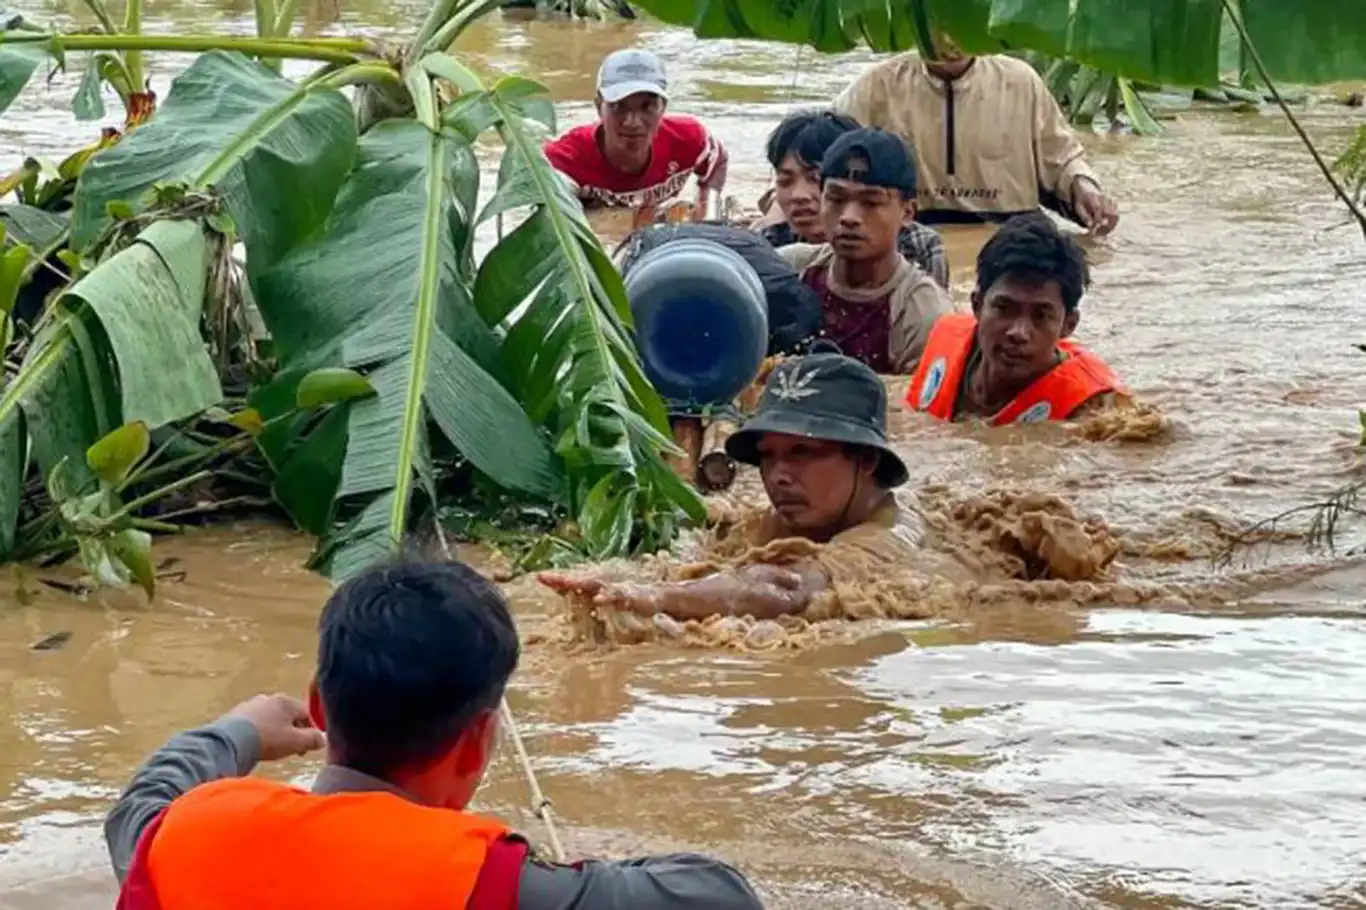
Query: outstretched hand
[[636, 598], [283, 725]]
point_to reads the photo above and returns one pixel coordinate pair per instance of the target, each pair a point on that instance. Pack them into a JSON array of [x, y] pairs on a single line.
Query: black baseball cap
[[872, 157], [823, 396]]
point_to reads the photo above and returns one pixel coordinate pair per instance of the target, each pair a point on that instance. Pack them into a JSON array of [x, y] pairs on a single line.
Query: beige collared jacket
[[990, 143]]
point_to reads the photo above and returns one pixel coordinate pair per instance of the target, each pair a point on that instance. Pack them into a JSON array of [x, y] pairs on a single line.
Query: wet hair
[[807, 134], [1032, 247], [409, 654]]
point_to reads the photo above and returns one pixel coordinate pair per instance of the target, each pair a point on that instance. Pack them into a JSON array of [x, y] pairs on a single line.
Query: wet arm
[[228, 748], [675, 882], [761, 591]]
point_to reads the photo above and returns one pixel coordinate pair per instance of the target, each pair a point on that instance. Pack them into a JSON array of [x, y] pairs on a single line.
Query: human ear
[[1069, 323]]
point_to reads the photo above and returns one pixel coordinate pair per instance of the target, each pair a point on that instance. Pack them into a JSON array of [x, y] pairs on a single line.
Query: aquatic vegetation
[[359, 365]]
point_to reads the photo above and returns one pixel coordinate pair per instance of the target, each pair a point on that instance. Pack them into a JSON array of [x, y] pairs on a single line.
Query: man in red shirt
[[637, 155]]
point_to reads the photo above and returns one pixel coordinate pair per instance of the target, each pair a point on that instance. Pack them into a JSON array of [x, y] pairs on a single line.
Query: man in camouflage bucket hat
[[819, 439]]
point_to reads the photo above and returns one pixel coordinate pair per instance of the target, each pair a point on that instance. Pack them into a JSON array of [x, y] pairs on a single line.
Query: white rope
[[540, 805]]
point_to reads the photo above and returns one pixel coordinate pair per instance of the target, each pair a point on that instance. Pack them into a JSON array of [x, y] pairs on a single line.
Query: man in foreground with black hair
[[795, 149], [876, 306], [413, 661], [1012, 360], [819, 439]]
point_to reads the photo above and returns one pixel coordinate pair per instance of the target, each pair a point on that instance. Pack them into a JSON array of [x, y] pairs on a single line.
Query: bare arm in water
[[761, 591]]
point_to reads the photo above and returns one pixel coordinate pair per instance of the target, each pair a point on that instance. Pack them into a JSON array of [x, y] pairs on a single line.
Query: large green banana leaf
[[568, 349], [276, 150], [12, 461], [381, 292], [124, 345], [18, 63], [1174, 42]]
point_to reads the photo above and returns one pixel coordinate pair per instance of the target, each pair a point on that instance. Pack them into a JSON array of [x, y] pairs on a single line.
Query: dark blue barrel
[[701, 320]]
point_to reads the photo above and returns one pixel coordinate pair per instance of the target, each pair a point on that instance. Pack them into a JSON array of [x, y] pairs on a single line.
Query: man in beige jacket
[[989, 138], [876, 306]]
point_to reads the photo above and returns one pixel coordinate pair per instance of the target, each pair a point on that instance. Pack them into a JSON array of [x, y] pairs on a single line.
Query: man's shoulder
[[683, 128], [1011, 69], [576, 146], [802, 255]]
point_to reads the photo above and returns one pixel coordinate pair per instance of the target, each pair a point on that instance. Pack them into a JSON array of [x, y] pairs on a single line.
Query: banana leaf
[[124, 346], [18, 63], [1172, 42], [276, 150], [568, 350], [381, 292], [31, 225], [12, 461]]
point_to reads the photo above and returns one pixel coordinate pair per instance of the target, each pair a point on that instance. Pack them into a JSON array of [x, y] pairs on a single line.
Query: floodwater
[[1023, 755]]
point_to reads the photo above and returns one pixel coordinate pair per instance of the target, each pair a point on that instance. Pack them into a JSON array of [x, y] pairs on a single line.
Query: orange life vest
[[1054, 396], [249, 843]]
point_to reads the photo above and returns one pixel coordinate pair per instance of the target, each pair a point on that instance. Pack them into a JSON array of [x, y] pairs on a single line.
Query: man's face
[[629, 125], [810, 482], [861, 221], [1019, 324], [797, 191]]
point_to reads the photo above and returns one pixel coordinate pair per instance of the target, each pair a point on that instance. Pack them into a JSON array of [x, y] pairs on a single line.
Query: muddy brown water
[[1021, 756]]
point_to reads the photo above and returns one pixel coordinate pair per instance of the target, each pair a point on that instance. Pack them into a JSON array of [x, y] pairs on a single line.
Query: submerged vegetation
[[358, 363]]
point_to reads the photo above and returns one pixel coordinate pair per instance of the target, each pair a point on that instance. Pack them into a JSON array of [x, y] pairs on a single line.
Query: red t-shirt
[[682, 147]]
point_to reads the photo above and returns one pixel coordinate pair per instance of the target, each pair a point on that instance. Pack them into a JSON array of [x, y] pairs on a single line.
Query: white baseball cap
[[629, 71]]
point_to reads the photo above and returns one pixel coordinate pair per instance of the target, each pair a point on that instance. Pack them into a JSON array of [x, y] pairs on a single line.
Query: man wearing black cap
[[819, 440], [877, 307]]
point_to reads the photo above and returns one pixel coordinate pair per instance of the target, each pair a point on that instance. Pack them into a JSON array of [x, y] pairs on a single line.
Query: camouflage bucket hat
[[823, 396]]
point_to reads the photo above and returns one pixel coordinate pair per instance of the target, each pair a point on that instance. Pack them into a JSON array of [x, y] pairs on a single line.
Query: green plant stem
[[1347, 200], [161, 492], [451, 30], [146, 472], [284, 22], [132, 57], [161, 527], [106, 21], [343, 50], [359, 74]]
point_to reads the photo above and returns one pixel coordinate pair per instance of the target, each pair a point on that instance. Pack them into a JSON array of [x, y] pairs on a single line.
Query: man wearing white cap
[[637, 155]]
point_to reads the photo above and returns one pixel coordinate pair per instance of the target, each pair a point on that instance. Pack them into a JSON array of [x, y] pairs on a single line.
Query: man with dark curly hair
[[1012, 360]]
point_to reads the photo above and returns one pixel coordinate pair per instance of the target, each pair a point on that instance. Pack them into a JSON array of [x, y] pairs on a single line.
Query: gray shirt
[[231, 748]]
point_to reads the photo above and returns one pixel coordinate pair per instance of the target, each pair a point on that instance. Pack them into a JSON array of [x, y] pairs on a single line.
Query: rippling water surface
[[1023, 757]]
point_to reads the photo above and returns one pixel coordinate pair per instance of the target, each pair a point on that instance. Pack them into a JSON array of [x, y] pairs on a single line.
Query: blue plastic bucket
[[701, 320]]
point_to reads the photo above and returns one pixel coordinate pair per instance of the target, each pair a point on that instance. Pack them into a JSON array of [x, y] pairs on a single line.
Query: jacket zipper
[[949, 127]]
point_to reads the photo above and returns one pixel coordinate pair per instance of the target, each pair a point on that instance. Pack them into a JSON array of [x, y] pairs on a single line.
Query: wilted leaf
[[330, 385], [248, 420], [114, 456], [88, 104], [133, 548]]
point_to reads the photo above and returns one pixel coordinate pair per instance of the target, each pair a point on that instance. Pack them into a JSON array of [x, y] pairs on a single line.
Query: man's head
[[633, 92], [819, 437], [795, 149], [1030, 278], [413, 658], [867, 193]]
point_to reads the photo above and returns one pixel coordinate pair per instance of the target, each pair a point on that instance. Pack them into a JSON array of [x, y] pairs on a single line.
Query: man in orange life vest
[[1012, 361], [413, 660]]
